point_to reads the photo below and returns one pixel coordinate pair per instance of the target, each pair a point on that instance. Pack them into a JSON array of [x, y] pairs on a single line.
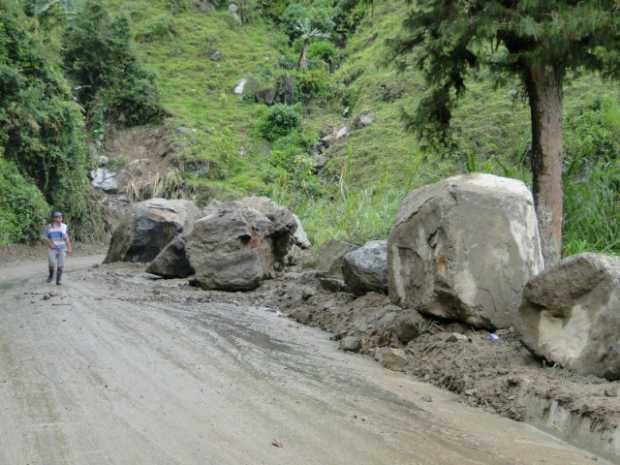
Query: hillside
[[199, 55]]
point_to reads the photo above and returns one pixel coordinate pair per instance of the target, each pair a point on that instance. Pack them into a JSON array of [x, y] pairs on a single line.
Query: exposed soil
[[495, 372]]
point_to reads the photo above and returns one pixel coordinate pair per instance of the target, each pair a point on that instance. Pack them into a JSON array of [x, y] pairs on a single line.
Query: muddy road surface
[[114, 369]]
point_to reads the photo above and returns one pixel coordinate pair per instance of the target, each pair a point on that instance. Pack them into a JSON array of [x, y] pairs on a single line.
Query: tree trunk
[[302, 63], [544, 87]]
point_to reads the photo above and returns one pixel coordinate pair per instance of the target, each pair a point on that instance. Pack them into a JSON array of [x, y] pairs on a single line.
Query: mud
[[495, 373], [117, 367]]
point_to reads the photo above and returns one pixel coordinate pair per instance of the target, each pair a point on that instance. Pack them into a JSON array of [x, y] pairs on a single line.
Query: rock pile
[[228, 246]]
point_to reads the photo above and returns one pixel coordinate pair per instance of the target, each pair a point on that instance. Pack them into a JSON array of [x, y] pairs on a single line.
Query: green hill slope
[[352, 188]]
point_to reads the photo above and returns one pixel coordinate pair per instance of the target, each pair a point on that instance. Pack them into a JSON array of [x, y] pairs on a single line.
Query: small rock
[[610, 392], [350, 344], [104, 180], [240, 87], [332, 284], [103, 160], [233, 9], [363, 120], [392, 359], [426, 399], [456, 337], [215, 55], [185, 130]]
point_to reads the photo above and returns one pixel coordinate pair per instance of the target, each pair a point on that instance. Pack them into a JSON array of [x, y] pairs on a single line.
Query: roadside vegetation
[[311, 67]]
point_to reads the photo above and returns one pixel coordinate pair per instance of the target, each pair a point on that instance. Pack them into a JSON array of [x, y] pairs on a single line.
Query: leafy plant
[[279, 121], [22, 207], [324, 51], [111, 83]]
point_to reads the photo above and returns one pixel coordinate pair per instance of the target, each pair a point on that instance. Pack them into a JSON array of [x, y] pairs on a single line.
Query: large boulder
[[172, 261], [235, 247], [464, 248], [571, 315], [365, 269], [149, 227], [286, 225]]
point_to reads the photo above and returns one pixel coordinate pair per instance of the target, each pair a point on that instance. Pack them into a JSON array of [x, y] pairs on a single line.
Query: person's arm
[[69, 244], [50, 242]]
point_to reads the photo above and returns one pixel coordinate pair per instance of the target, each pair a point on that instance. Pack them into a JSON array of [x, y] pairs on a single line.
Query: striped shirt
[[58, 235]]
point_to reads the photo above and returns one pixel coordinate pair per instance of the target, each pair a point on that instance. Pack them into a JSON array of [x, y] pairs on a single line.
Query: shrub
[[319, 14], [324, 51], [314, 83], [279, 121], [23, 209], [294, 14]]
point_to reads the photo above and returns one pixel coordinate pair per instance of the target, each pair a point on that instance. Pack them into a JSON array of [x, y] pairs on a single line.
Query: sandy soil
[[115, 368]]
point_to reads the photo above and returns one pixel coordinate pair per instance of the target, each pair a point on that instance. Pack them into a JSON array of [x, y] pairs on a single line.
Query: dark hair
[[56, 213]]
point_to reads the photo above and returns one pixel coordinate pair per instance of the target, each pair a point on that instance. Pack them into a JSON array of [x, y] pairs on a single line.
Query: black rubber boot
[[59, 277], [50, 277]]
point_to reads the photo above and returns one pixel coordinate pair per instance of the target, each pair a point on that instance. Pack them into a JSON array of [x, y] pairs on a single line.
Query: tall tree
[[541, 42]]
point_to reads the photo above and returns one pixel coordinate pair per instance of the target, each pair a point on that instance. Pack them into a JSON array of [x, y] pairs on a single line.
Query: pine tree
[[542, 42]]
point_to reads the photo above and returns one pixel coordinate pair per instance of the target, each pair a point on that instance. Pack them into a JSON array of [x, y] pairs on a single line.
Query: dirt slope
[[116, 369]]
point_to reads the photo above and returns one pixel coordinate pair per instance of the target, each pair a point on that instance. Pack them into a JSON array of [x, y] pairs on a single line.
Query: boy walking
[[58, 243]]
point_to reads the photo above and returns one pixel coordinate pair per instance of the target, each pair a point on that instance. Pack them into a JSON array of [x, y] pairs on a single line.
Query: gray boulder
[[149, 227], [172, 261], [240, 87], [363, 120], [285, 224], [105, 180], [571, 315], [365, 269], [235, 246], [464, 248], [335, 136]]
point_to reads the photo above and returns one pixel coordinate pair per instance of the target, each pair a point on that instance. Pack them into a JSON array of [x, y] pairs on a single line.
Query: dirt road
[[110, 369]]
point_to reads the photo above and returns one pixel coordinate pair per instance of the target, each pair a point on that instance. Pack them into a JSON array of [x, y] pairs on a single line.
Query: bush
[[23, 209], [320, 15], [279, 121], [41, 127], [314, 83], [290, 19], [110, 80], [324, 51]]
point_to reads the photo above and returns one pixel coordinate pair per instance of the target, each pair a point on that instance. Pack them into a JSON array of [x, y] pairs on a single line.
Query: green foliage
[[41, 128], [592, 210], [178, 6], [313, 83], [294, 14], [592, 178], [279, 121], [159, 27], [451, 40], [318, 15], [111, 82], [22, 207], [324, 51]]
